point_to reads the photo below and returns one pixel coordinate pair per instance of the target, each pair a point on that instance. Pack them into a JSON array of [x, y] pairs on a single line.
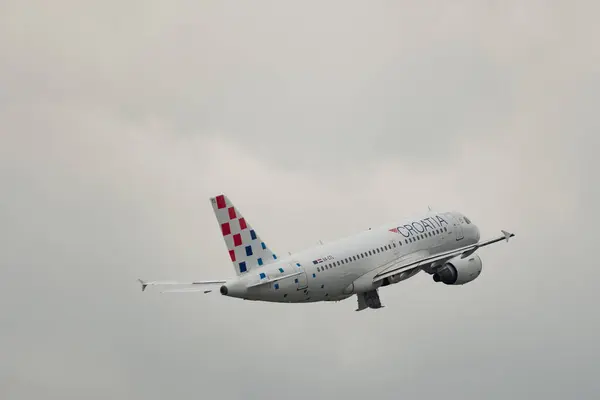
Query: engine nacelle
[[459, 271]]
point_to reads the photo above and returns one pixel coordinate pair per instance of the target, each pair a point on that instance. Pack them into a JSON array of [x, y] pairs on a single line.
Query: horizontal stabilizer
[[266, 281], [186, 291], [161, 283]]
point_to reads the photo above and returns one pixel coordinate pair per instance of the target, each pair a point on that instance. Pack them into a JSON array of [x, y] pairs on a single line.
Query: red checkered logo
[[226, 228], [221, 201], [237, 239]]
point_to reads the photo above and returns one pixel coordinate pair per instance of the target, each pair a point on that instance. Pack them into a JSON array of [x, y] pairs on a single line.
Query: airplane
[[441, 244]]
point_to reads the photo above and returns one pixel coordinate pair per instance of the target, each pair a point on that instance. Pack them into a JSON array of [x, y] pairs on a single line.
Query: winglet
[[144, 284], [507, 235]]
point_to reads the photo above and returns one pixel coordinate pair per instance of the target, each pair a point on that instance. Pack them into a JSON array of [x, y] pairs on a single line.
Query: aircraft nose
[[477, 234]]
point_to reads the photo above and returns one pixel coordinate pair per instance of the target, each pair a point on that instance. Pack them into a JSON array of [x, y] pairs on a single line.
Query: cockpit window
[[467, 220]]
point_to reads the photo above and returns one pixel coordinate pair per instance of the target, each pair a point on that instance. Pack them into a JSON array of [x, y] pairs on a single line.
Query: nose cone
[[476, 233], [234, 288]]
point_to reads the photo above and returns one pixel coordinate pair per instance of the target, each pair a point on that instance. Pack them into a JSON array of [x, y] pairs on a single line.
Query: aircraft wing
[[160, 283], [399, 266]]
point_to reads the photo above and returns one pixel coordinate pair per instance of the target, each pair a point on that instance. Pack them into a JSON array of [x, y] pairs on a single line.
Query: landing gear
[[368, 300]]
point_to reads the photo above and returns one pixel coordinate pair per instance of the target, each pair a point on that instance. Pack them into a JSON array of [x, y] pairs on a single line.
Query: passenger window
[[354, 258], [338, 263]]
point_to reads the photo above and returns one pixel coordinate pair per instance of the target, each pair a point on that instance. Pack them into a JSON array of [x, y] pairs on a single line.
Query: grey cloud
[[119, 121]]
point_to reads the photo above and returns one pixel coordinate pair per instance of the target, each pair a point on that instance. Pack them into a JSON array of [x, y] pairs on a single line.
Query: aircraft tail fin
[[246, 248]]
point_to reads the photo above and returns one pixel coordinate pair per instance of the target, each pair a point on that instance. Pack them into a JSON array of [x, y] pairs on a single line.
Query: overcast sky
[[119, 119]]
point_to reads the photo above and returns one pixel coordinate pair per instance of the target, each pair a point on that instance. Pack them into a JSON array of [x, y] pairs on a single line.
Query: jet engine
[[459, 271]]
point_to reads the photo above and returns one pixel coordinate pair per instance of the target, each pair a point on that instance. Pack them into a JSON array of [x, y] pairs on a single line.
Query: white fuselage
[[337, 270]]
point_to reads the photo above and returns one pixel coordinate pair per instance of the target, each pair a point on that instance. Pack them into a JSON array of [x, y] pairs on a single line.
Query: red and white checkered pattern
[[245, 247]]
